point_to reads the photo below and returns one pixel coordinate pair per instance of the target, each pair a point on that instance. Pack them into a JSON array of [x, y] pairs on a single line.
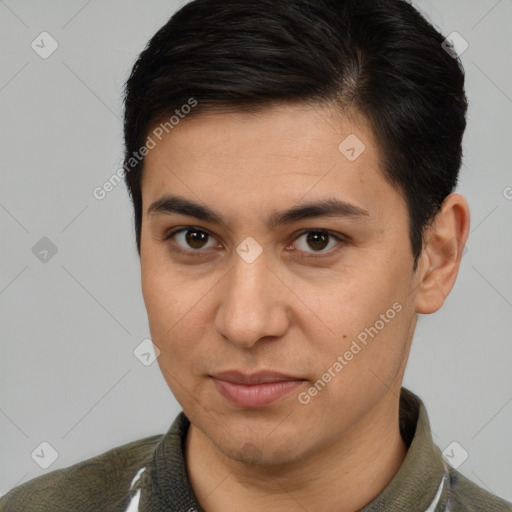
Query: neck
[[343, 477]]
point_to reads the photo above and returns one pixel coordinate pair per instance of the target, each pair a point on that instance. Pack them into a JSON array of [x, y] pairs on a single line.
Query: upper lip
[[261, 377]]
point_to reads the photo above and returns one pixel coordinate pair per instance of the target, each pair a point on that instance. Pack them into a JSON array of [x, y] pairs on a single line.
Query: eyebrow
[[331, 207]]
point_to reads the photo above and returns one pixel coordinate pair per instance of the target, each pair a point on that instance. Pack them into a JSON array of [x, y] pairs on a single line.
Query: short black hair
[[379, 57]]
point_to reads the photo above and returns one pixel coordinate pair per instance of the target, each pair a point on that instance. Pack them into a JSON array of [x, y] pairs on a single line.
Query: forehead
[[281, 156], [295, 131]]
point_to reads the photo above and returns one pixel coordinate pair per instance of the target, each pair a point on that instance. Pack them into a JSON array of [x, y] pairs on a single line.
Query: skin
[[210, 310]]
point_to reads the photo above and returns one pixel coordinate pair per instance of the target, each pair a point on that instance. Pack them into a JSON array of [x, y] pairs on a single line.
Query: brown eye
[[196, 239], [318, 241], [190, 239]]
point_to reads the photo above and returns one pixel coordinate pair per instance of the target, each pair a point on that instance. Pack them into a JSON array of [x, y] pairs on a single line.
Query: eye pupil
[[194, 237], [315, 237]]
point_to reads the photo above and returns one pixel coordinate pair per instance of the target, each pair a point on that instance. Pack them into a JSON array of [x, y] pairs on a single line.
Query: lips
[[261, 377], [255, 390]]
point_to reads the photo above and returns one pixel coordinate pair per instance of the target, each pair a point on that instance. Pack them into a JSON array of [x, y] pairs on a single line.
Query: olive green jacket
[[149, 475]]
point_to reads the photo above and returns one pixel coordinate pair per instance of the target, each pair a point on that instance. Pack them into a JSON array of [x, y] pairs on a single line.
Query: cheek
[[369, 320], [158, 298], [357, 374], [174, 309], [163, 291], [357, 301]]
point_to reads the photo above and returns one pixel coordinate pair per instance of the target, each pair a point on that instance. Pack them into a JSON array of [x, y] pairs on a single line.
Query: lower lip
[[257, 395]]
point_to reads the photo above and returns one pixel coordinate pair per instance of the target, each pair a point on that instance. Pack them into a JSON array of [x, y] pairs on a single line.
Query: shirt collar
[[419, 483]]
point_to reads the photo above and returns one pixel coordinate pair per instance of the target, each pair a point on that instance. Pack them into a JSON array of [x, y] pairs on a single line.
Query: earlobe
[[442, 253]]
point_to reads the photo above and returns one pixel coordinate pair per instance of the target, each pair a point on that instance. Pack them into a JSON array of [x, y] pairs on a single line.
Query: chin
[[260, 450]]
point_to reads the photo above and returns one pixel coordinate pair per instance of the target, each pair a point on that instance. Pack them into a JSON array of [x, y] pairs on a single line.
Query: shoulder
[[93, 484], [465, 495]]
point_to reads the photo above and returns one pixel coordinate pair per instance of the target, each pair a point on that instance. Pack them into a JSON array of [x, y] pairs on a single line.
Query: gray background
[[69, 325]]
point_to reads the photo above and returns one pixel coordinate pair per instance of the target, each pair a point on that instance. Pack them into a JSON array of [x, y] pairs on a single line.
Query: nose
[[253, 303]]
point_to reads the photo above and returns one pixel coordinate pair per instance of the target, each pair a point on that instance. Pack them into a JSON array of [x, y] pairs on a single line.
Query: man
[[292, 167]]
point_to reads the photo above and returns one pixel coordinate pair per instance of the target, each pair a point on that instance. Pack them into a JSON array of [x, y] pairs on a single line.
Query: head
[[258, 117]]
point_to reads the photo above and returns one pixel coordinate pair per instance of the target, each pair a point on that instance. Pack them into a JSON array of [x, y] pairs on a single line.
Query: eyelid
[[340, 238]]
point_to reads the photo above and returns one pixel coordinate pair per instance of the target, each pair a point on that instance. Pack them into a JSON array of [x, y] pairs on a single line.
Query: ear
[[439, 263]]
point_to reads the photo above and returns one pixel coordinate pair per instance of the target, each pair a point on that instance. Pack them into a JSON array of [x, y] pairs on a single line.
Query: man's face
[[242, 295]]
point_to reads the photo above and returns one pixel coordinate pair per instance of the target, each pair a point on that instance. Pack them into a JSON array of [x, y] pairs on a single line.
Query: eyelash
[[340, 239]]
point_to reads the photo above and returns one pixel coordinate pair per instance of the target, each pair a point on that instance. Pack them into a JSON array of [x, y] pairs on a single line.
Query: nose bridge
[[249, 279], [249, 308]]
